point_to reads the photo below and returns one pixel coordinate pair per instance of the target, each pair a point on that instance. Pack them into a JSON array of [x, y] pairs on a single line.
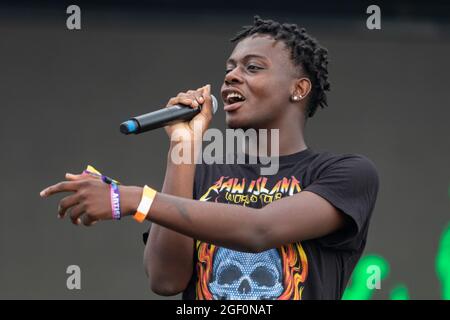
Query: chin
[[236, 123], [233, 121]]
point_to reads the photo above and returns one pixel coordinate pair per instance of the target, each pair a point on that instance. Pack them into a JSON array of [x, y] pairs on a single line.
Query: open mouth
[[233, 100], [234, 97]]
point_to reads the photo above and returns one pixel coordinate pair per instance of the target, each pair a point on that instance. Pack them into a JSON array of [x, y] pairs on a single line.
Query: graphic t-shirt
[[313, 269]]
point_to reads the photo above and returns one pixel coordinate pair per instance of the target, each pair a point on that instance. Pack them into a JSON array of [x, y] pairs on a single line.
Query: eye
[[253, 67], [229, 68]]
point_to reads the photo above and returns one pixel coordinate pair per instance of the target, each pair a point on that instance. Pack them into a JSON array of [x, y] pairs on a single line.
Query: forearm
[[300, 217], [232, 226], [165, 247]]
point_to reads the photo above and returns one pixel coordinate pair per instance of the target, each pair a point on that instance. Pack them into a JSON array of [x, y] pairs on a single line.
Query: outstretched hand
[[89, 201]]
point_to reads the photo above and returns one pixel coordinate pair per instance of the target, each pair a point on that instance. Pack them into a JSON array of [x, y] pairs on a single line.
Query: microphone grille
[[214, 104]]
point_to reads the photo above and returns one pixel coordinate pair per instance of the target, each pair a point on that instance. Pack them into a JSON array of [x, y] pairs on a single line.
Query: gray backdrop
[[63, 94]]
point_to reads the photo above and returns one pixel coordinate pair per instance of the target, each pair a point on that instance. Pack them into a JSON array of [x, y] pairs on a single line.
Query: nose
[[233, 76]]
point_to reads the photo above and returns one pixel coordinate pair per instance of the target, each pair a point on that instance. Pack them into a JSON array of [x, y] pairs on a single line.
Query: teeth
[[234, 95]]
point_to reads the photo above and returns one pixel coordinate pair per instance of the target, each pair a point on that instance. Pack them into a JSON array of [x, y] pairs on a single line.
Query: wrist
[[130, 196]]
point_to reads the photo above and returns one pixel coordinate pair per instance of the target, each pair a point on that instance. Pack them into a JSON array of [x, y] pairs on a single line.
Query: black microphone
[[162, 118]]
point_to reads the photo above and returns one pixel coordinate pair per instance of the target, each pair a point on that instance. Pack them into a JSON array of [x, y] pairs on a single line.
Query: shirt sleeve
[[350, 183]]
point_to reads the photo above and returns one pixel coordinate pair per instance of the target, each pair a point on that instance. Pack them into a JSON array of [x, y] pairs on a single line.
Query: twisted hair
[[306, 53]]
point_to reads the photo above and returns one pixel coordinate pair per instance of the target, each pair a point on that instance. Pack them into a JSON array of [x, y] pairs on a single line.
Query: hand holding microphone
[[95, 197], [181, 112]]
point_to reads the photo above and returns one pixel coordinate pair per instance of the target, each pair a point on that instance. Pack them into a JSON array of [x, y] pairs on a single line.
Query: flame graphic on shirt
[[293, 256]]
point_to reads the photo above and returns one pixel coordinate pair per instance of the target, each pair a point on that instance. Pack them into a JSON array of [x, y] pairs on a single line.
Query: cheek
[[270, 98], [270, 90], [261, 89]]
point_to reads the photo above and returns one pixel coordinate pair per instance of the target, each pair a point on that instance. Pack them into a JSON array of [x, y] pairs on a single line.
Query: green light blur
[[443, 263], [400, 292], [358, 289]]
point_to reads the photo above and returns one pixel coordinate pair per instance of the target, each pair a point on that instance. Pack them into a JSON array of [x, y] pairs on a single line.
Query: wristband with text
[[148, 195]]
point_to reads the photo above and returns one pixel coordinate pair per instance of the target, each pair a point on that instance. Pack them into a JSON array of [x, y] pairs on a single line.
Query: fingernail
[[42, 193]]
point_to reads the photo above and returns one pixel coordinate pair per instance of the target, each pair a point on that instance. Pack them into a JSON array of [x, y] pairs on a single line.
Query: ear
[[302, 87]]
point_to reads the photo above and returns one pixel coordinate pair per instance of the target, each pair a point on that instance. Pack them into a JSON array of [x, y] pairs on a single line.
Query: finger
[[184, 100], [196, 96], [199, 96], [76, 212], [188, 98], [195, 93], [75, 177], [60, 187], [87, 220], [66, 203]]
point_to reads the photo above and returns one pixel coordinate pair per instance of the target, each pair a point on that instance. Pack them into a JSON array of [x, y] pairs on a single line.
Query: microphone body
[[163, 117]]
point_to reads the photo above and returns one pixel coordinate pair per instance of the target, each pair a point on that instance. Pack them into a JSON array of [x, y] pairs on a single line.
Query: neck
[[290, 139]]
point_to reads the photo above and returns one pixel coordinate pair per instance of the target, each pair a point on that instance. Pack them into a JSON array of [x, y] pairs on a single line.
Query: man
[[226, 231]]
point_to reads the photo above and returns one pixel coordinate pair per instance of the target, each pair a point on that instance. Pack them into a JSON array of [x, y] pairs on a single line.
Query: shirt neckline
[[284, 159]]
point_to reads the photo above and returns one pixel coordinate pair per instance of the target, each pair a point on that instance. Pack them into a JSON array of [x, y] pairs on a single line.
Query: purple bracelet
[[115, 201]]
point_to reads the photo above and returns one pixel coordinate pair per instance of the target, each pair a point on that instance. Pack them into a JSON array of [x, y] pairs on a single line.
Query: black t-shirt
[[312, 269]]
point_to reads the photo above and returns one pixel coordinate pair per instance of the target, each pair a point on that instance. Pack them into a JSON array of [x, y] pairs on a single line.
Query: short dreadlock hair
[[306, 53]]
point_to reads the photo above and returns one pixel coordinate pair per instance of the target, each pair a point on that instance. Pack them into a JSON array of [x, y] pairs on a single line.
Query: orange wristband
[[144, 206]]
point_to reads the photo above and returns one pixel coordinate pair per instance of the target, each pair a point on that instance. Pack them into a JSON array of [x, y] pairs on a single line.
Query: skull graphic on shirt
[[241, 275]]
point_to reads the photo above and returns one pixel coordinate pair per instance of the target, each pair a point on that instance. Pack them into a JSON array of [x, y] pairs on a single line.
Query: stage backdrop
[[64, 93]]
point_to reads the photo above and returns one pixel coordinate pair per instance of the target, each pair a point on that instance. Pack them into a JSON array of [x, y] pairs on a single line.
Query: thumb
[[75, 177]]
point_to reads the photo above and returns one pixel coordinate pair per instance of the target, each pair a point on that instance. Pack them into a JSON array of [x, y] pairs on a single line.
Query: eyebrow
[[247, 57]]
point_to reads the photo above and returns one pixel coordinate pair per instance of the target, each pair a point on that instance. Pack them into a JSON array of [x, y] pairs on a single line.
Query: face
[[259, 80]]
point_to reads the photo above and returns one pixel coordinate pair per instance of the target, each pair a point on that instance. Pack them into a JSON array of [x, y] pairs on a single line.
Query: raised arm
[[168, 255]]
